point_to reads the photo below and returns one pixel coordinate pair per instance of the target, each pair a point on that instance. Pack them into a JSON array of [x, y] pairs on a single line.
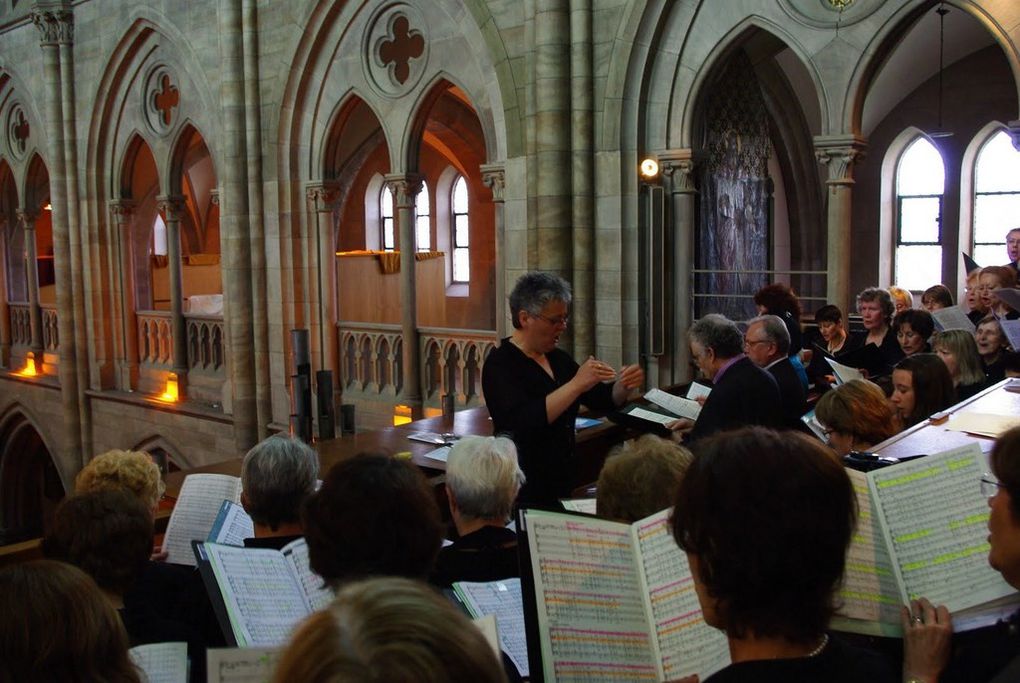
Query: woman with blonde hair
[[959, 352], [856, 416], [387, 630], [131, 470], [902, 299], [640, 478]]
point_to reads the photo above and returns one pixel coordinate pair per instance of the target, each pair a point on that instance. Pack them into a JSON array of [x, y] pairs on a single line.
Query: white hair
[[484, 477]]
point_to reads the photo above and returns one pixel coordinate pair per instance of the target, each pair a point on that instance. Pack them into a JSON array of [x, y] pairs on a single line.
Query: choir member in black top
[[533, 389], [876, 309], [277, 475], [482, 482]]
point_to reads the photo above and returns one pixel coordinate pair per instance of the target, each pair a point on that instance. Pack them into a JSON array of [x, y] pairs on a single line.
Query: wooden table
[[926, 438], [593, 444]]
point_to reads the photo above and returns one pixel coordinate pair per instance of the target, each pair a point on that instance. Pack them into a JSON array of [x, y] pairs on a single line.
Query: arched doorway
[[30, 486]]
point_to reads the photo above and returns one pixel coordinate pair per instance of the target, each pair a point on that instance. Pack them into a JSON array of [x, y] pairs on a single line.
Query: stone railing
[[452, 363], [51, 338], [370, 358], [21, 324], [155, 339], [206, 343]]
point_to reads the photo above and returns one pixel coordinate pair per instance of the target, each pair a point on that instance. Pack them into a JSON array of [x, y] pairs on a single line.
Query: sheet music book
[[501, 599], [922, 531], [678, 405], [195, 512], [814, 425], [264, 592], [952, 318], [1009, 296], [697, 390], [162, 662], [1011, 328], [440, 454], [585, 505], [433, 438], [612, 601], [232, 525], [869, 357], [241, 664], [843, 373]]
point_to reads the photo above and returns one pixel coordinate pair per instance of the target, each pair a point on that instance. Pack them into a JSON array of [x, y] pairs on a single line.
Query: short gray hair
[[534, 291], [277, 475], [775, 331], [719, 333], [483, 475]]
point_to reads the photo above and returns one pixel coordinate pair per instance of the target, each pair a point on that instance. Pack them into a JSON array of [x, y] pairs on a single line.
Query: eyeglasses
[[989, 486], [555, 322], [752, 342]]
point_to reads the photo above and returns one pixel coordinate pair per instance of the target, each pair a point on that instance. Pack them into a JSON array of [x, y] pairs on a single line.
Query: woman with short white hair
[[482, 483]]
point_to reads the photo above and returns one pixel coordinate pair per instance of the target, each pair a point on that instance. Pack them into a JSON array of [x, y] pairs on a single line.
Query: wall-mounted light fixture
[[649, 169], [171, 393], [30, 369]]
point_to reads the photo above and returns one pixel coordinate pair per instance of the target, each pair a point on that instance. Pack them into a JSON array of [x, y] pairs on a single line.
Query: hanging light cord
[[942, 12]]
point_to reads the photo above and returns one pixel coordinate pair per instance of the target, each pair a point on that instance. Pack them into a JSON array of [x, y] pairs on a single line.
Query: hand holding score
[[927, 632], [678, 429]]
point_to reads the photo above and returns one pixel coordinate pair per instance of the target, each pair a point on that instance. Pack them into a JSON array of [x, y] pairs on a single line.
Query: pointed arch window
[[159, 245], [423, 219], [386, 234], [461, 232], [996, 198], [920, 187]]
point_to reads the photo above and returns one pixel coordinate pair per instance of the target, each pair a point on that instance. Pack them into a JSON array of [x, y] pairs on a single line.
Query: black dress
[[515, 389], [838, 662]]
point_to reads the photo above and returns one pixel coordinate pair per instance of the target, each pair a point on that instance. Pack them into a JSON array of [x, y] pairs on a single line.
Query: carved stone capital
[[121, 209], [494, 178], [171, 206], [1013, 128], [55, 24], [27, 218], [323, 195], [405, 188], [678, 166], [839, 154]]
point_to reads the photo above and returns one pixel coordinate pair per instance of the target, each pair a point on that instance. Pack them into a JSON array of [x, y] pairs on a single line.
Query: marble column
[[172, 208], [839, 154], [678, 177], [126, 324], [55, 24], [32, 275], [494, 178], [405, 188], [323, 197]]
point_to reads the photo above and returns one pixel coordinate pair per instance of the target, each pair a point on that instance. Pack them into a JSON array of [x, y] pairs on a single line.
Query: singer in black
[[533, 389]]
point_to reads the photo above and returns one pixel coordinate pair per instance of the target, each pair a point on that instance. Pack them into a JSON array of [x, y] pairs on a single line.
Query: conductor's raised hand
[[631, 377], [593, 371]]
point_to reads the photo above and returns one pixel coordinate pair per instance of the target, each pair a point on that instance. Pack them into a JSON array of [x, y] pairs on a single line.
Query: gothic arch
[[31, 483], [885, 41], [966, 228], [158, 441], [442, 85], [330, 156], [887, 220]]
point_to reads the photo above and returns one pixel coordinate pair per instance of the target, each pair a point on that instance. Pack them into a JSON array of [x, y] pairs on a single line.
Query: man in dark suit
[[742, 393], [767, 343]]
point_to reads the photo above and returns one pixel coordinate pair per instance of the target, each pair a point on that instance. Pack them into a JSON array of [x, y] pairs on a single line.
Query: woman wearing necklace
[[765, 518], [533, 389], [830, 326]]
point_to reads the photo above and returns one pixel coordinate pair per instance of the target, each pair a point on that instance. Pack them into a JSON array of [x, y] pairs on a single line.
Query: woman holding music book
[[959, 352], [996, 657], [876, 309], [856, 416], [766, 518], [921, 387]]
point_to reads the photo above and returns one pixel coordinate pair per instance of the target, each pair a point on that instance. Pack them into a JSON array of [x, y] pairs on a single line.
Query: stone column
[[839, 154], [324, 196], [5, 312], [54, 22], [236, 244], [494, 178], [582, 169], [553, 135], [172, 207], [32, 275], [126, 326], [678, 174], [405, 188]]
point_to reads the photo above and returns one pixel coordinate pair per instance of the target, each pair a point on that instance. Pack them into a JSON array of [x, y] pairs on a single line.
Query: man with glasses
[[533, 389], [1013, 247], [742, 393], [767, 344]]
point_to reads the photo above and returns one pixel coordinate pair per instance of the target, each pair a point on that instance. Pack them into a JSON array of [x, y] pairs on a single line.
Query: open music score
[[616, 601], [925, 534], [195, 513]]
